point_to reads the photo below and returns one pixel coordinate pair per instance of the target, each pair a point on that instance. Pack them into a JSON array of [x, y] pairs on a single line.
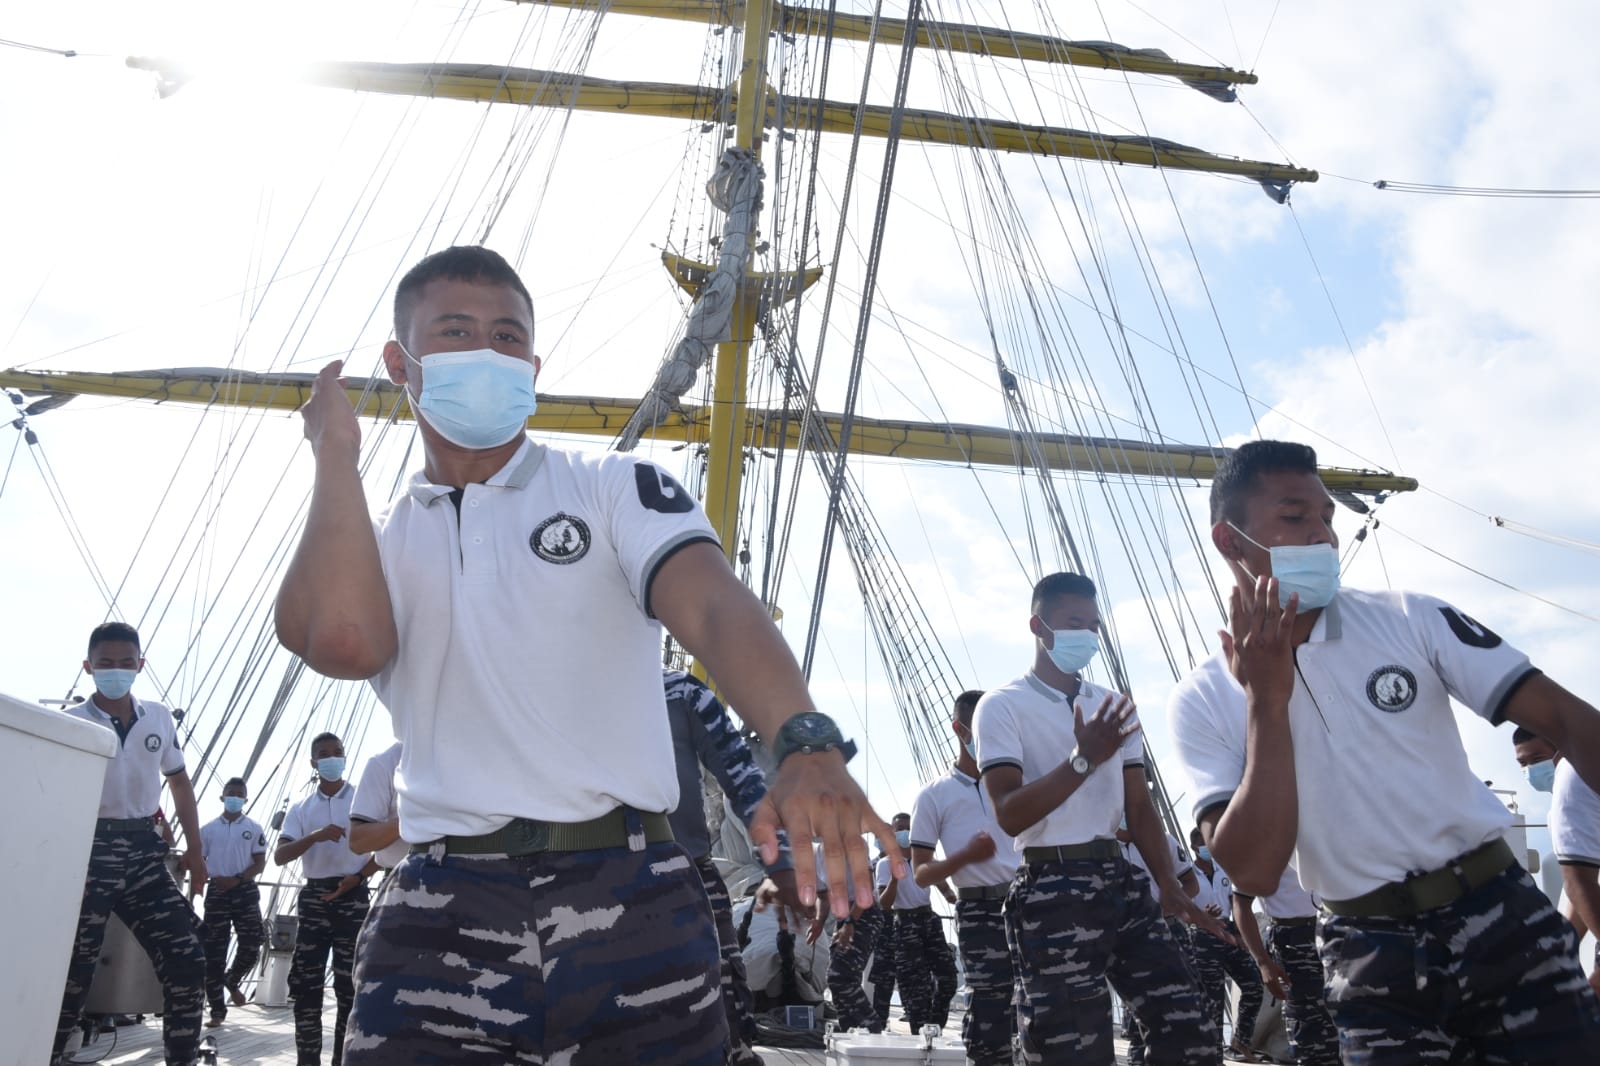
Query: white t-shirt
[[528, 677], [1385, 787], [132, 785], [325, 858], [230, 847], [375, 801], [1180, 863], [953, 810], [1574, 819], [1027, 724], [909, 894]]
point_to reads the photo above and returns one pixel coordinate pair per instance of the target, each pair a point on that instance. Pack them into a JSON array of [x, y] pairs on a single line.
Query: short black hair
[[901, 815], [966, 704], [1239, 470], [1523, 735], [464, 262], [1063, 584], [232, 781], [1196, 837], [106, 632], [320, 737]]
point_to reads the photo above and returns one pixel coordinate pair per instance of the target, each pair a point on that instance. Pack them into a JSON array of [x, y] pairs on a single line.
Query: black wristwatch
[[809, 732]]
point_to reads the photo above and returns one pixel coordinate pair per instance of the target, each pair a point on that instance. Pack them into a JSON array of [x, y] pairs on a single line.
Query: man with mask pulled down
[[1323, 730], [507, 609]]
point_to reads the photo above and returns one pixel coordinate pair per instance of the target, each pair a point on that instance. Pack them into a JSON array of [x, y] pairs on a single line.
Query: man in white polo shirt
[[925, 969], [1287, 961], [1574, 832], [332, 903], [982, 860], [127, 865], [1062, 760], [507, 609], [1324, 729], [375, 811], [235, 848]]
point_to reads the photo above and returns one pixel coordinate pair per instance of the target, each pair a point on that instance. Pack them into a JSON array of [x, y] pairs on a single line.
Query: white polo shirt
[[1291, 900], [1028, 724], [376, 801], [325, 858], [1385, 787], [1574, 819], [908, 895], [230, 847], [1180, 863], [132, 785], [1216, 890], [528, 678], [953, 810]]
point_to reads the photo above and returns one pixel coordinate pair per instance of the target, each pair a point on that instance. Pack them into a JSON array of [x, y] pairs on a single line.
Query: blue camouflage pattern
[[847, 965], [128, 876], [1216, 962], [580, 958], [737, 1001], [1080, 924], [325, 929], [236, 912], [1491, 978], [1313, 1039], [925, 969], [990, 1025]]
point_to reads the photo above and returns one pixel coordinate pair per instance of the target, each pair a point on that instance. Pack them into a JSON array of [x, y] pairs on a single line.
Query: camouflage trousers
[[991, 1019], [571, 957], [1215, 963], [1491, 978], [128, 877], [1078, 924], [326, 927], [925, 968], [1312, 1038], [737, 1001], [847, 965], [881, 971], [1132, 1031], [236, 911]]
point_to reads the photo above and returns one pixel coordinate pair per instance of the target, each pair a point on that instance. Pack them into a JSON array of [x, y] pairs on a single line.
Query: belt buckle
[[524, 836]]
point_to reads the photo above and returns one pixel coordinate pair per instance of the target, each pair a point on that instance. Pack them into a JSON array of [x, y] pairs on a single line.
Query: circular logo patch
[[1392, 688], [247, 834], [152, 743], [561, 539]]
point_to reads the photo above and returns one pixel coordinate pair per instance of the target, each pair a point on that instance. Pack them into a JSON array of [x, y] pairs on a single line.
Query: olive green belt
[[1429, 891], [529, 836], [1094, 849], [124, 825], [984, 892]]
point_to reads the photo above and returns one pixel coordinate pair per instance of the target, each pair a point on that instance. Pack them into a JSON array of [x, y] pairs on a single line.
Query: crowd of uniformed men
[[550, 894]]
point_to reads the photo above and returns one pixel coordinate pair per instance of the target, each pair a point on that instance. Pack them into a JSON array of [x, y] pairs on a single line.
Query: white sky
[[252, 222]]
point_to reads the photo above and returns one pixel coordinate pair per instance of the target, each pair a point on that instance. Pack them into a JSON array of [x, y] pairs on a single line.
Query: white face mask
[[478, 399], [1308, 570]]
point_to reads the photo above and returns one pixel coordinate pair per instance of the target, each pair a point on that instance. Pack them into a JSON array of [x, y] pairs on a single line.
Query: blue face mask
[[233, 804], [1204, 852], [331, 769], [1073, 649], [903, 837], [1542, 775], [972, 748], [114, 684], [477, 399], [1309, 570], [1123, 825]]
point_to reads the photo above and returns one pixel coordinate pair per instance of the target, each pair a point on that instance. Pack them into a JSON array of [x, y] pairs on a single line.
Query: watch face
[[811, 729]]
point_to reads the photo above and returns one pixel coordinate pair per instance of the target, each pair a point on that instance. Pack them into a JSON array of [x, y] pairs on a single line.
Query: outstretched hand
[[1259, 641], [1102, 733], [814, 797], [328, 418]]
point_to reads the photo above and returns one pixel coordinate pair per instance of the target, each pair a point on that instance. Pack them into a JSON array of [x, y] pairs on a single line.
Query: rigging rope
[[1385, 185]]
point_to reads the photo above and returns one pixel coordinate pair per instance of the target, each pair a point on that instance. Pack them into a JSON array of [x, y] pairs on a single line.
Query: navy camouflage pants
[[925, 968], [238, 911], [881, 973], [737, 1001], [991, 1019], [578, 957], [1489, 979], [326, 927], [846, 966], [1215, 962], [128, 876], [1079, 924], [1312, 1037]]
